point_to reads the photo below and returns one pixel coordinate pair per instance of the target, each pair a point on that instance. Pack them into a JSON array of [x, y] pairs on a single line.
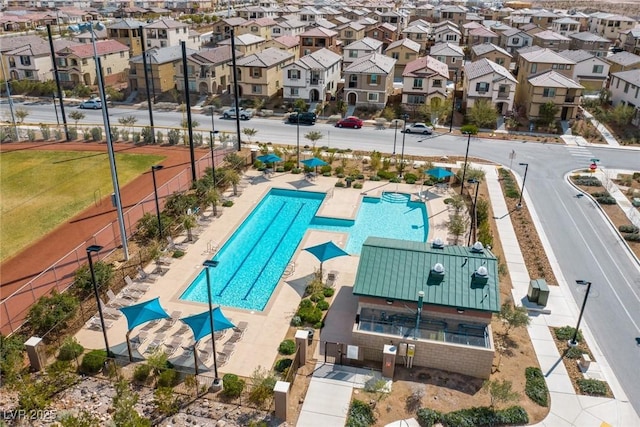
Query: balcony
[[569, 99], [503, 95], [353, 85]]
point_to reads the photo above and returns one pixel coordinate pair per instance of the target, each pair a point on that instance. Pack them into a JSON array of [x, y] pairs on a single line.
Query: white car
[[92, 104], [230, 113], [419, 128]]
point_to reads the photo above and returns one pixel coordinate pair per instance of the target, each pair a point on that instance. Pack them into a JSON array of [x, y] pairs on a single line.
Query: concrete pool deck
[[259, 345]]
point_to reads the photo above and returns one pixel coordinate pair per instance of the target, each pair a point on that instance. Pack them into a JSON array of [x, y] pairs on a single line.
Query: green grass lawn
[[40, 190]]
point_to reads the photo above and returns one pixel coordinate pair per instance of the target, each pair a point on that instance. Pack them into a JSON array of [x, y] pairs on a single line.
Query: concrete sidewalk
[[567, 408]]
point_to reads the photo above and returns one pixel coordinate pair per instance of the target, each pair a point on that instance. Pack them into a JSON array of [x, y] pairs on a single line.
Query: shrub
[[147, 135], [311, 315], [305, 303], [159, 137], [227, 203], [375, 178], [631, 237], [628, 229], [536, 387], [73, 133], [167, 378], [52, 311], [262, 386], [96, 134], [323, 305], [232, 386], [93, 362], [318, 325], [606, 200], [328, 292], [173, 136], [410, 177], [296, 171], [360, 414], [31, 135], [283, 364], [178, 253], [70, 349], [287, 347], [566, 333], [296, 321], [592, 387], [357, 185], [382, 174], [428, 417], [317, 297], [340, 184], [574, 353], [46, 132], [325, 169], [141, 373], [587, 181]]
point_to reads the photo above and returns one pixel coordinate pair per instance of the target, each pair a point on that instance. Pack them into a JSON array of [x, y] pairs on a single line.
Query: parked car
[[304, 118], [92, 104], [230, 113], [350, 122], [419, 128]]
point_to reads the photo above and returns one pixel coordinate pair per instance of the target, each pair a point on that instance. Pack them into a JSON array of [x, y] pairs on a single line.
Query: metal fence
[[59, 276]]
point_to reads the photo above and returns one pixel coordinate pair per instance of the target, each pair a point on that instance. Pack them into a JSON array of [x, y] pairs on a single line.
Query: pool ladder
[[289, 270], [212, 248]]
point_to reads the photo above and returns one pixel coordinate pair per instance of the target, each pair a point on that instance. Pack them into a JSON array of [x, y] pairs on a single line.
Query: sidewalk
[[567, 408], [608, 136]]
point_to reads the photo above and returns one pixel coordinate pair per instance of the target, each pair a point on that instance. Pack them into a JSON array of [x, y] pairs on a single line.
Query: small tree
[[457, 226], [513, 317], [547, 113], [21, 114], [124, 411], [500, 391], [621, 114], [483, 114], [50, 311], [314, 136], [234, 161], [76, 116], [258, 103], [189, 222], [82, 279], [249, 132], [233, 178], [129, 121]]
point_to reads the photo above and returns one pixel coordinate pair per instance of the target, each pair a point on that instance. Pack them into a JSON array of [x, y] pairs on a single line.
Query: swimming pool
[[254, 258]]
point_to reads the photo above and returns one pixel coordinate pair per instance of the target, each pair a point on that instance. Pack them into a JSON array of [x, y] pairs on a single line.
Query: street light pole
[[187, 103], [155, 168], [212, 136], [58, 86], [466, 156], [90, 250], [573, 341], [404, 134], [524, 180], [474, 222], [395, 134], [298, 137], [212, 264], [146, 83], [453, 102]]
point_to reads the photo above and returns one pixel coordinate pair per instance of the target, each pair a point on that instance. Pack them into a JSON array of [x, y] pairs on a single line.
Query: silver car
[[91, 104], [419, 128]]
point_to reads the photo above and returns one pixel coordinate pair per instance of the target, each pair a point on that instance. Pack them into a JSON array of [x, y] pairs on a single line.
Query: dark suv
[[305, 118]]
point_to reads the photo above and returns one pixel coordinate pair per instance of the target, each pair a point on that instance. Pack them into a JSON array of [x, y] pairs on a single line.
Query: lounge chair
[[109, 312], [150, 325], [241, 327], [116, 302], [140, 287], [95, 324], [130, 294], [173, 345], [140, 338], [235, 337], [158, 340], [173, 246], [204, 355], [331, 278], [224, 355], [175, 316], [146, 277], [183, 329]]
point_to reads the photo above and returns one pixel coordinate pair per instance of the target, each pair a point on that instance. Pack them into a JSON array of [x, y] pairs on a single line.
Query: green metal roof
[[399, 269]]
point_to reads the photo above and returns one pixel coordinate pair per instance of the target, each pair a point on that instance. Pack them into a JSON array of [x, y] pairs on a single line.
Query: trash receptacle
[[348, 181], [534, 291], [543, 295], [254, 155]]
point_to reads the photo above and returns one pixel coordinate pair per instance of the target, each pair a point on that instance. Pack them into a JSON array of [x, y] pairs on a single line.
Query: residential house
[[210, 70], [625, 90], [161, 70], [482, 35], [350, 32], [630, 40], [537, 61], [386, 33], [403, 51], [261, 27], [589, 70], [313, 77], [592, 43], [518, 21], [167, 32], [76, 63], [493, 53], [544, 18], [565, 26], [260, 74], [446, 34], [310, 14], [319, 38], [360, 48], [468, 27], [246, 43], [514, 39], [455, 14], [288, 27], [32, 61], [531, 29], [552, 87], [437, 299], [424, 81], [422, 35], [610, 25], [289, 44], [221, 29], [452, 55], [127, 32], [391, 17], [484, 79], [623, 61], [582, 18], [10, 43], [369, 80], [551, 40], [255, 12]]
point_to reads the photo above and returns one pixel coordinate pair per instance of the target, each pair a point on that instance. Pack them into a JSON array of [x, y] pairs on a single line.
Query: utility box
[[538, 292], [35, 351], [389, 360], [534, 291]]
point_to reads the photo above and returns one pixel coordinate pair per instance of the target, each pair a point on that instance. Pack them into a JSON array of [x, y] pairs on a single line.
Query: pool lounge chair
[[139, 339], [95, 324], [130, 294], [116, 302], [158, 340], [131, 284], [173, 246], [331, 278], [173, 345], [146, 277], [241, 327], [109, 312]]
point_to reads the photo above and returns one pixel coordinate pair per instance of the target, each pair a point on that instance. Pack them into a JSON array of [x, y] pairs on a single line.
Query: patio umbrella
[[140, 313], [326, 251], [439, 173], [269, 158], [201, 327], [314, 162]]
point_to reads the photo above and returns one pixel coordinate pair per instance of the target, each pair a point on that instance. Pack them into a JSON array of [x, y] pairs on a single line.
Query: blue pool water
[[254, 258]]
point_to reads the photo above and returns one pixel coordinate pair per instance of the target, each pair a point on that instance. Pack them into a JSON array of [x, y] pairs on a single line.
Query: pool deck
[[259, 345]]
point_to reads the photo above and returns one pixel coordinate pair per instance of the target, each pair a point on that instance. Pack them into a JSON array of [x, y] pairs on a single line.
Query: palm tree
[[189, 222], [212, 197], [232, 177]]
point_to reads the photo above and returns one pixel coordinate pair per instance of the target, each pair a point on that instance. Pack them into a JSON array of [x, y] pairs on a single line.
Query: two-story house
[[484, 79], [261, 27], [386, 33], [589, 70], [369, 80], [552, 87], [260, 74], [246, 43], [630, 40], [551, 40], [514, 39], [544, 18], [425, 82], [319, 38], [420, 34], [446, 34], [350, 32], [161, 71], [210, 70], [482, 35], [623, 61], [625, 90], [288, 27], [610, 25], [290, 44], [592, 43], [76, 63], [451, 54], [310, 15], [313, 77], [255, 12], [403, 51], [360, 48], [32, 61], [565, 26], [537, 61], [127, 32], [453, 13], [221, 29], [167, 32], [493, 53]]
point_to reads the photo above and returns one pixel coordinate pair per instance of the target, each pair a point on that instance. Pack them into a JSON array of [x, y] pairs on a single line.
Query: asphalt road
[[581, 240]]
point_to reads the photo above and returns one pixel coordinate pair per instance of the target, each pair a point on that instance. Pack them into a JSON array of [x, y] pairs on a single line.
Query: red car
[[350, 122]]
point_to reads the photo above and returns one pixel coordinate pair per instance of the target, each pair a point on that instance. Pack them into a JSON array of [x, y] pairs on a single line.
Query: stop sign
[[593, 167]]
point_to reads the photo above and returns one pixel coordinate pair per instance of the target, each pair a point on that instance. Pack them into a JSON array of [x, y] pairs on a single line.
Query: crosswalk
[[583, 154]]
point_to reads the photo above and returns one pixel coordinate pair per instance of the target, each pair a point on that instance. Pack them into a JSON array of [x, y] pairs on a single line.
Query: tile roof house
[[369, 80], [313, 77], [210, 70], [288, 27], [246, 43], [589, 70], [493, 53], [514, 39], [451, 54], [565, 26], [289, 44], [386, 33], [360, 48], [167, 32], [424, 81], [403, 51], [482, 35], [76, 63], [261, 27], [319, 38], [446, 34], [221, 29], [625, 90], [551, 40], [162, 73], [351, 32], [623, 61], [127, 32], [552, 87], [440, 300], [260, 74], [484, 79], [630, 40], [533, 61], [593, 43], [32, 61]]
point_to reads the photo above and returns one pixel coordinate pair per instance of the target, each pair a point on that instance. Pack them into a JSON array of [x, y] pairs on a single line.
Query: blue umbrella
[[439, 173], [269, 158], [314, 162], [326, 251], [199, 323], [140, 313]]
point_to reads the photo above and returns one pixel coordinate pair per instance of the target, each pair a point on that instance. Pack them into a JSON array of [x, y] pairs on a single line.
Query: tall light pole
[[187, 103], [212, 264], [573, 341], [90, 250], [58, 86], [212, 136], [236, 90], [453, 102], [88, 26], [298, 137], [146, 83], [155, 168], [395, 134], [466, 156], [404, 134], [8, 88], [474, 223], [524, 180]]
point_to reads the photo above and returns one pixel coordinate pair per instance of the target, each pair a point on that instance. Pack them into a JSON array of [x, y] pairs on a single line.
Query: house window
[[417, 83], [276, 31], [256, 89], [482, 87], [256, 72], [293, 74], [395, 55], [372, 97], [25, 60], [626, 88], [451, 37], [375, 34], [408, 55], [254, 29], [294, 91], [555, 67], [453, 60], [415, 99], [348, 33], [353, 53], [549, 92], [109, 71], [597, 69], [568, 67], [374, 79], [515, 41], [121, 54], [28, 74], [440, 58], [534, 68], [85, 62], [437, 83], [500, 61], [418, 36]]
